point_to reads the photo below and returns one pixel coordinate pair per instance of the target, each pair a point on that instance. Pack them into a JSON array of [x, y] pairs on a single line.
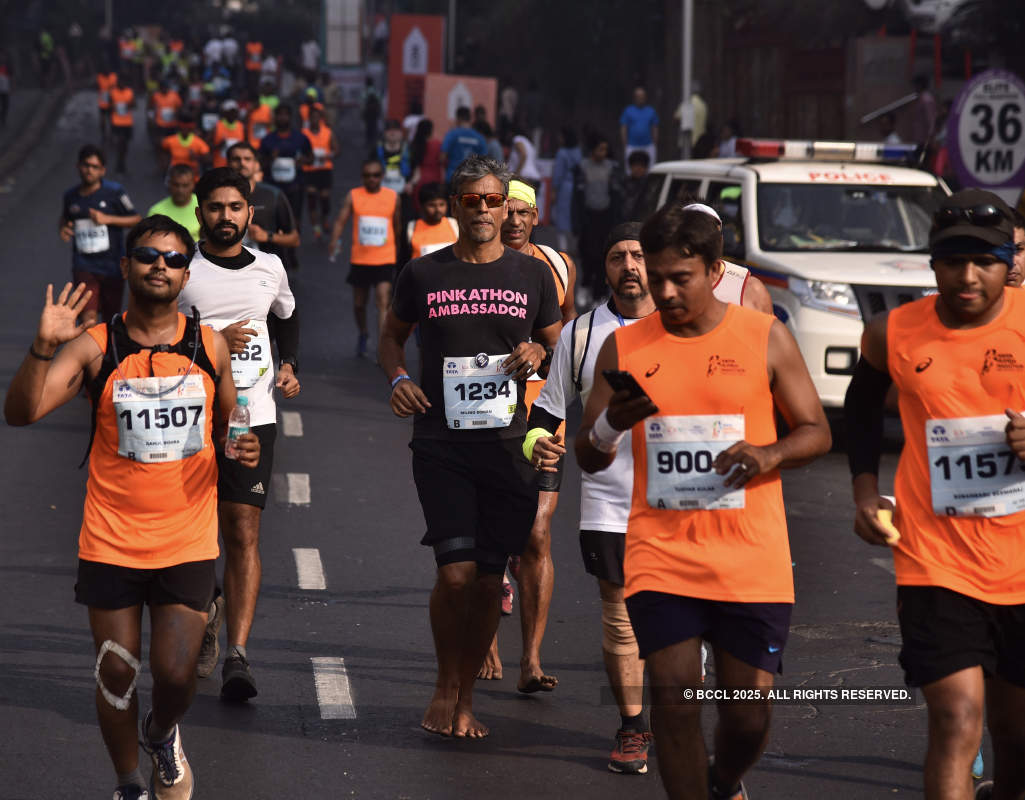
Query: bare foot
[[491, 669], [533, 679], [438, 716], [466, 726]]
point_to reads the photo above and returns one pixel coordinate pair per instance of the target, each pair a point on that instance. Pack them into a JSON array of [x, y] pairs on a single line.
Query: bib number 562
[[252, 352]]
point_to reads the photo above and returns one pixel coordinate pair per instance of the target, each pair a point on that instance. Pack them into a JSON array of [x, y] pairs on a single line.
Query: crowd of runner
[[683, 372]]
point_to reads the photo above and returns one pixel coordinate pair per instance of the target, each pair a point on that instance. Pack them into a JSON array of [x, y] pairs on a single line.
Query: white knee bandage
[[110, 646], [617, 633]]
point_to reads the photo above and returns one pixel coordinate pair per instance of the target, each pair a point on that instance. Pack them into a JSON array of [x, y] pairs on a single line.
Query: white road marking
[[292, 423], [309, 568], [333, 693], [292, 488], [885, 563]]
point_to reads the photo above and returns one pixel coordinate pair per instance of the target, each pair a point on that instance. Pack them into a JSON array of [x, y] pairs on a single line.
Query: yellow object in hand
[[885, 518]]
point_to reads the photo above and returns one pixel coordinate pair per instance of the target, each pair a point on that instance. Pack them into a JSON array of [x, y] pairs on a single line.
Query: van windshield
[[854, 218]]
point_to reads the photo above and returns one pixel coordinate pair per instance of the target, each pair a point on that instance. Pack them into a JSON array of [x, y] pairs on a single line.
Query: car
[[837, 232]]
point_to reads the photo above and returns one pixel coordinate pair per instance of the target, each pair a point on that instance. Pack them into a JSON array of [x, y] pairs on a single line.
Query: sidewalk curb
[[42, 118]]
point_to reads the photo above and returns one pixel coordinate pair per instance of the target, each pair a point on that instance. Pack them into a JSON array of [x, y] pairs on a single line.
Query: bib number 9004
[[680, 454]]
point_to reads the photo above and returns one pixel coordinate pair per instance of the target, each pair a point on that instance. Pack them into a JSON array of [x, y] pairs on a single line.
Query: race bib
[[90, 237], [427, 249], [478, 394], [972, 471], [393, 180], [252, 363], [208, 121], [680, 453], [167, 114], [121, 108], [282, 170], [159, 429], [319, 156], [259, 130], [373, 231], [104, 98]]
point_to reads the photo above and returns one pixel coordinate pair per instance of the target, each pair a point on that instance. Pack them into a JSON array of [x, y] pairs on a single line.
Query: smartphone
[[619, 380]]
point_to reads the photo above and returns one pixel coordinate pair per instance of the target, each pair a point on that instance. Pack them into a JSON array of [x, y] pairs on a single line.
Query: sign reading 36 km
[[986, 131]]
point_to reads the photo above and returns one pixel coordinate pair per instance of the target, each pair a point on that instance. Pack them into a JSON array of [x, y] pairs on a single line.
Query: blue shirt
[[274, 147], [110, 198], [638, 122], [458, 145]]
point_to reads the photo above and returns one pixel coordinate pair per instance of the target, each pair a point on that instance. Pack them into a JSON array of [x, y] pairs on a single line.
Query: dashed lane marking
[[333, 693], [885, 563], [292, 423], [292, 488], [308, 568]]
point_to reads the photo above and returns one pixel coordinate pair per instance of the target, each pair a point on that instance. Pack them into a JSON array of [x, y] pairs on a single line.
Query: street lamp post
[[686, 56]]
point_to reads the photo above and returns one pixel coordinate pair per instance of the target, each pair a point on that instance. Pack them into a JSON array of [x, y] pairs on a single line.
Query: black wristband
[[549, 352], [32, 352]]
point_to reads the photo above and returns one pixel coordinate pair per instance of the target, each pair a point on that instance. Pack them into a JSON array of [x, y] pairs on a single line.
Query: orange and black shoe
[[630, 755]]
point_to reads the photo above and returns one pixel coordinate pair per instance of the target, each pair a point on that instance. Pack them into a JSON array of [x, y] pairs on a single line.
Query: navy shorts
[[754, 633]]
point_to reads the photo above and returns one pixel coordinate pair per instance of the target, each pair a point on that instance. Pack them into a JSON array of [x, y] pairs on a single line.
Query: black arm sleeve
[[286, 334], [863, 412], [539, 418]]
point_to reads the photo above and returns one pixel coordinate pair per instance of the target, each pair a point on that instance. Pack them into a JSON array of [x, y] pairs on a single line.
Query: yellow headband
[[518, 190]]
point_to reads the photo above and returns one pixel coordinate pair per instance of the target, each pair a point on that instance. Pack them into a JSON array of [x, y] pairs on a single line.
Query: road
[[366, 632]]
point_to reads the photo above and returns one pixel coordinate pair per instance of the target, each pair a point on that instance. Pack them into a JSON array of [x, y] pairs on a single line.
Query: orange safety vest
[[225, 136], [711, 391], [165, 108], [373, 235], [104, 83], [260, 122], [254, 56], [945, 375], [321, 144], [187, 150], [425, 239], [146, 514], [120, 113]]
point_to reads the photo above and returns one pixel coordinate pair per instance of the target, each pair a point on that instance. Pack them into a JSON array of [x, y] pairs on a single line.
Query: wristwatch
[[292, 363]]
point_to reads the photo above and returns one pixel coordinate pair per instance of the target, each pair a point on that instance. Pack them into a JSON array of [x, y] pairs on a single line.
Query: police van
[[837, 232]]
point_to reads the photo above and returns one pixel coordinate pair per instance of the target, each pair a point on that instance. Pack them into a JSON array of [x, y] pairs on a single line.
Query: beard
[[630, 289], [484, 233], [226, 234]]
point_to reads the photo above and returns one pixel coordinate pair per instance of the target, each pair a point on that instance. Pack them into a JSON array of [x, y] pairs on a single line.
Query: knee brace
[[110, 646], [617, 633]]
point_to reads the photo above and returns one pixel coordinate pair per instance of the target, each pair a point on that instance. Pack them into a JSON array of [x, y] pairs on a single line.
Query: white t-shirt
[[527, 168], [229, 50], [250, 293], [310, 52], [605, 496], [213, 51]]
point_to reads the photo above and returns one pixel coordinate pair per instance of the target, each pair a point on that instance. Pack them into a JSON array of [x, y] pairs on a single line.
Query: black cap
[[624, 231], [993, 235]]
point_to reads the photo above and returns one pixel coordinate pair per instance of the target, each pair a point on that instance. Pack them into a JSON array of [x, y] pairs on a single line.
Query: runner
[[106, 79], [319, 174], [149, 528], [489, 313], [228, 130], [393, 152], [181, 204], [1016, 275], [185, 146], [93, 216], [258, 123], [164, 104], [956, 359], [272, 229], [282, 152], [435, 229], [122, 101], [376, 224], [245, 295], [254, 63], [706, 552], [534, 571]]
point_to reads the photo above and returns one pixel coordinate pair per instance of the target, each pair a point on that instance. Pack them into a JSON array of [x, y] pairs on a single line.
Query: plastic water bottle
[[238, 425]]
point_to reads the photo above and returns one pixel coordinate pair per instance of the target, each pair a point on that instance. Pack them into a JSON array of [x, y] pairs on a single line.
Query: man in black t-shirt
[[273, 229], [488, 318]]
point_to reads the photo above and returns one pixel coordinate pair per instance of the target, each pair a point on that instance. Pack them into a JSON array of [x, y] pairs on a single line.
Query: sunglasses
[[986, 215], [372, 174], [472, 199], [172, 258]]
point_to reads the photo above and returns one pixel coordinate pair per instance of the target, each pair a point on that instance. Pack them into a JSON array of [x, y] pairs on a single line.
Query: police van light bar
[[824, 151]]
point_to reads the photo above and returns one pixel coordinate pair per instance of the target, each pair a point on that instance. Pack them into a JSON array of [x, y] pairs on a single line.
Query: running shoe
[[361, 345], [984, 791], [211, 650], [237, 684], [630, 755], [508, 595], [172, 775], [131, 793], [740, 794], [978, 767]]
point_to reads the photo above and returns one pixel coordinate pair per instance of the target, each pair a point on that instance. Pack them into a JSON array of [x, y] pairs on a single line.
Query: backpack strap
[[409, 230], [581, 339], [558, 263]]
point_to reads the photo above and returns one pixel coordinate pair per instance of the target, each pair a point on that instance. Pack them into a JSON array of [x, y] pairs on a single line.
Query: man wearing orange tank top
[[958, 361], [707, 554], [161, 398]]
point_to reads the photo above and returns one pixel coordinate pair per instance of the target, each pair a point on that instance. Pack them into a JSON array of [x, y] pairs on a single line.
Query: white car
[[836, 235]]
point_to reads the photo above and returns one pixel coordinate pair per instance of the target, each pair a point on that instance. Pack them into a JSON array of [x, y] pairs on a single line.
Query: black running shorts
[[248, 485], [944, 632], [755, 633], [318, 179], [478, 499], [367, 275], [110, 587], [602, 552]]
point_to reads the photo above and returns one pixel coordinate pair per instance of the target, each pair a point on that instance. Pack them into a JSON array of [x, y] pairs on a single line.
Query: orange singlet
[[104, 83], [373, 234], [259, 124], [321, 144], [942, 375], [225, 135], [142, 514], [711, 391], [185, 150], [121, 98], [426, 239]]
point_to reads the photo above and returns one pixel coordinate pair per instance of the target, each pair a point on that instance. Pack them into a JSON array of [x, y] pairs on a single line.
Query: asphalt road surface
[[345, 670]]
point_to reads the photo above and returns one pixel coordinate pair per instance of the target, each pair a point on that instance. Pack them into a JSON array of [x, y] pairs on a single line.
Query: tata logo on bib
[[938, 434], [655, 430]]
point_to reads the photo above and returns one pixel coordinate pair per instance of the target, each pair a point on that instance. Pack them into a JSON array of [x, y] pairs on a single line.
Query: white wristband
[[603, 436]]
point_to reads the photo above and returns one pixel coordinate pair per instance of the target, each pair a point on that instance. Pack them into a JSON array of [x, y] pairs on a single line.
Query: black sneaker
[[237, 684]]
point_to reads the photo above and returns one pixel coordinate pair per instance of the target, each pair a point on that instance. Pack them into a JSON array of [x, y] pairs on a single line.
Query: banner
[[415, 48]]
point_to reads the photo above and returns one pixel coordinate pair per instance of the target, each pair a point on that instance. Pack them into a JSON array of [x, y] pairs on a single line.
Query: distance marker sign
[[986, 132]]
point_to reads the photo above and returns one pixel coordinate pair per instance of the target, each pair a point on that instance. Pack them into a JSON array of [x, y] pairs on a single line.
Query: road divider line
[[309, 568], [333, 693], [292, 488], [292, 423], [885, 563]]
